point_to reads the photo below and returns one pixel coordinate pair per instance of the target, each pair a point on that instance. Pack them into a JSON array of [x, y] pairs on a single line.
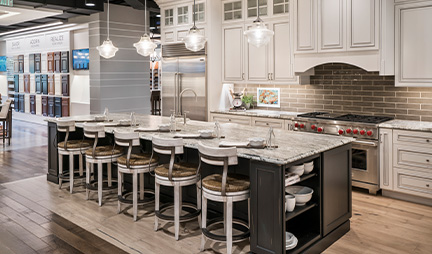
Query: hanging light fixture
[[107, 49], [90, 3], [145, 46], [258, 35], [194, 40]]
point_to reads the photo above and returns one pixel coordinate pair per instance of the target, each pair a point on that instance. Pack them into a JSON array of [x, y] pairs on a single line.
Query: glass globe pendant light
[[258, 35], [145, 46], [107, 49], [194, 40]]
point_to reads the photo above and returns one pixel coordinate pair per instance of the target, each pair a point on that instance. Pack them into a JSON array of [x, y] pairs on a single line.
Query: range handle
[[366, 143]]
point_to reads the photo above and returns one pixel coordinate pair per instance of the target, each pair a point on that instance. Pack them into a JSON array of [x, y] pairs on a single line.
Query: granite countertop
[[408, 125], [292, 146], [260, 113]]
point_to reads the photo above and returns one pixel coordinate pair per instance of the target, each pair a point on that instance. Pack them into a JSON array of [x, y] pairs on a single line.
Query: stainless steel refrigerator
[[184, 82]]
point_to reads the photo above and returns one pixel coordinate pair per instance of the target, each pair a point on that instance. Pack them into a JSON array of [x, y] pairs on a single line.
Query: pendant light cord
[[258, 9], [108, 21], [194, 14], [145, 17]]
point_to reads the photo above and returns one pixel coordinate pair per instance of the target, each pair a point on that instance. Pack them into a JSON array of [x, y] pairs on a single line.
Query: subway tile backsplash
[[343, 88]]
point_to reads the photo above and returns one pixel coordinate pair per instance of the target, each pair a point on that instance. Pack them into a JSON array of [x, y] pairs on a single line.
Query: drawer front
[[268, 122], [413, 183], [222, 118], [413, 137], [418, 158]]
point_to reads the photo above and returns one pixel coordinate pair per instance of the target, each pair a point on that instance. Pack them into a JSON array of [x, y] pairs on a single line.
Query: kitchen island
[[317, 224]]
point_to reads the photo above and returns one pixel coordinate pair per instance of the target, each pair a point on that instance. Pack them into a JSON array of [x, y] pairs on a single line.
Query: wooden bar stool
[[226, 188], [135, 165], [175, 175], [6, 120], [99, 155], [70, 148]]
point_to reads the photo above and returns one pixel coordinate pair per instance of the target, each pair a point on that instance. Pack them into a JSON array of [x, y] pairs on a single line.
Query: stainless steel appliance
[[184, 82], [365, 164]]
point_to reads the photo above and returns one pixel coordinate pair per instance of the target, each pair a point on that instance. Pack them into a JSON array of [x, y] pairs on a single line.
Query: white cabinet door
[[386, 161], [363, 24], [331, 25], [232, 53], [413, 37], [281, 53], [305, 25], [256, 62]]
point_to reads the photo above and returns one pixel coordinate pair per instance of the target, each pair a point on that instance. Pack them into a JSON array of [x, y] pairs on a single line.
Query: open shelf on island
[[299, 210], [303, 178], [304, 241]]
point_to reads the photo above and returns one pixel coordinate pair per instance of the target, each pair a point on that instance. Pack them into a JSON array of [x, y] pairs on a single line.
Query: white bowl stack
[[290, 241], [298, 170], [308, 167]]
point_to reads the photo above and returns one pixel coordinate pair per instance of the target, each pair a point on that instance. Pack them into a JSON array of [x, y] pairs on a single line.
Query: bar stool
[[6, 120], [70, 148], [226, 188], [135, 165], [175, 175], [99, 155]]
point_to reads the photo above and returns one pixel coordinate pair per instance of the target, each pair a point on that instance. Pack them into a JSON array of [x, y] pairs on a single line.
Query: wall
[[80, 80], [342, 88], [3, 76]]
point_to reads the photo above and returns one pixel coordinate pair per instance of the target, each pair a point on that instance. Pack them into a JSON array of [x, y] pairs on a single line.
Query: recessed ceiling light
[[90, 3], [31, 28], [158, 15]]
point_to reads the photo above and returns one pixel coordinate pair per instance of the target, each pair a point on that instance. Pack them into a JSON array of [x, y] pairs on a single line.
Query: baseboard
[[407, 197]]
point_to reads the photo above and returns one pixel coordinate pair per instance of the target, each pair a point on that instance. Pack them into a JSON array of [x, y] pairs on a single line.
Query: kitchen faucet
[[179, 112]]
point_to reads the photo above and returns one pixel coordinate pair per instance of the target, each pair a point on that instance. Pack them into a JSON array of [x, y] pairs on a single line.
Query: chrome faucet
[[179, 101]]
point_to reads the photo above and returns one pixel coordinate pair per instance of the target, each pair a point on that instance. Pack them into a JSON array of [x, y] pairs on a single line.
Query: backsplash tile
[[343, 88]]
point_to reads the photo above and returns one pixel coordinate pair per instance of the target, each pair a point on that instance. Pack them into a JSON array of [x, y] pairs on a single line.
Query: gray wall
[[120, 83]]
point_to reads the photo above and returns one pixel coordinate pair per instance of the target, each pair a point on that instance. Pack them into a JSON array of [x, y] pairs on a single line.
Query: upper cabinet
[[363, 24], [413, 36]]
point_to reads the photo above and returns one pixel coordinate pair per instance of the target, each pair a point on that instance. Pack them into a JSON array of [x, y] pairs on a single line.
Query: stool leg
[[249, 221], [180, 200], [198, 189], [141, 184], [229, 225], [120, 190], [88, 173], [71, 172], [157, 189], [80, 164], [177, 210], [60, 170], [203, 222], [100, 183], [92, 171], [225, 217], [109, 174], [135, 195]]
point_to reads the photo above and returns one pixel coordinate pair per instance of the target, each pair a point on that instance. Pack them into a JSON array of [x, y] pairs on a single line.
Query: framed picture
[[268, 97]]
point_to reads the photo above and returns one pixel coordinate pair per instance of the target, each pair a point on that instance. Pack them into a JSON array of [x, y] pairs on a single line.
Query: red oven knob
[[313, 126], [348, 131], [369, 133], [362, 132], [341, 132], [320, 129], [355, 131], [302, 126], [296, 125]]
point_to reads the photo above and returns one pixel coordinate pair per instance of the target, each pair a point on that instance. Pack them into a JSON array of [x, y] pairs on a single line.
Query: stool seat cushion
[[105, 151], [234, 182], [141, 159], [181, 169], [71, 144]]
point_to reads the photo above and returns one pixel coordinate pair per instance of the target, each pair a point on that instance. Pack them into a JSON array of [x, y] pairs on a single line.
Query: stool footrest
[[65, 175], [238, 224], [93, 185], [148, 197], [193, 212]]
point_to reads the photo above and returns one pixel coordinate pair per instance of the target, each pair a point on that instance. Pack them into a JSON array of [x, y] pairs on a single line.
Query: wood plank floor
[[37, 217]]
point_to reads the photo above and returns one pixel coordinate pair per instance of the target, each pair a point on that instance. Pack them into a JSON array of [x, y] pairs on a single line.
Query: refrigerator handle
[[175, 92]]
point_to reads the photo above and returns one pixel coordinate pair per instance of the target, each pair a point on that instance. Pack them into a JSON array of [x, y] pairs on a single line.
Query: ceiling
[[29, 13]]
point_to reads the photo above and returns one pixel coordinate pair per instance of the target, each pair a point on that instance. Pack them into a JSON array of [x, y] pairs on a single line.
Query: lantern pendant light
[[194, 40], [145, 46], [258, 35], [107, 49]]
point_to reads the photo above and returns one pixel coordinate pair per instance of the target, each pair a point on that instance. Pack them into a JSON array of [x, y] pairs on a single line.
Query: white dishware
[[256, 142], [308, 167], [292, 245], [125, 122], [164, 127], [100, 118], [289, 238], [206, 133], [298, 170], [290, 202], [302, 194]]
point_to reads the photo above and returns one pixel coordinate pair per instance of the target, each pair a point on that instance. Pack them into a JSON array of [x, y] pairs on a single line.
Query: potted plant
[[248, 100]]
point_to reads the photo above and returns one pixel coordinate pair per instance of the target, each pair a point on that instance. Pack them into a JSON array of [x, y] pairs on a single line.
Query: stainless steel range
[[365, 164]]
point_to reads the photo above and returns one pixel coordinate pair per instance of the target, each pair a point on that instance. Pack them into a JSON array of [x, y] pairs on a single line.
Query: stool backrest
[[65, 125], [94, 130], [168, 146], [123, 138], [5, 109]]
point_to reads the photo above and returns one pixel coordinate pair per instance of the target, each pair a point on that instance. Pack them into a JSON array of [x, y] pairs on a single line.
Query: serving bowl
[[298, 170], [256, 142], [164, 127], [302, 194], [125, 122], [100, 118], [206, 133]]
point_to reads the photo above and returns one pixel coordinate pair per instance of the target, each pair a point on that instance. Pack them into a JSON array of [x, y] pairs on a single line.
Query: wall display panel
[[37, 63], [21, 63], [38, 84], [33, 104], [50, 62], [58, 107], [65, 107], [32, 63], [26, 83], [65, 84], [3, 65], [57, 62], [44, 82], [44, 100], [32, 83], [65, 61], [51, 111], [38, 104], [51, 84]]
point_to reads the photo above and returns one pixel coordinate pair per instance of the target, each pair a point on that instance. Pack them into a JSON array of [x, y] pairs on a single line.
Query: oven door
[[365, 161]]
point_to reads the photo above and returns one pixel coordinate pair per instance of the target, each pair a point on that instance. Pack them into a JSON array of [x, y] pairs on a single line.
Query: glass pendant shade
[[107, 49], [145, 46], [259, 35], [194, 40]]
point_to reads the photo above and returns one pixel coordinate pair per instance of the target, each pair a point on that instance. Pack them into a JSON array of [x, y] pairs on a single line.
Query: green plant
[[248, 99]]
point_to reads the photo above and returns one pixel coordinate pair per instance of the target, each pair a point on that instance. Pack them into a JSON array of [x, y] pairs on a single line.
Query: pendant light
[[107, 49], [258, 35], [194, 40], [145, 46], [90, 3]]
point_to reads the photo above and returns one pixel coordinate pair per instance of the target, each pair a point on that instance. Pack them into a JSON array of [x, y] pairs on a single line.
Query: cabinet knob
[[427, 160], [427, 140], [427, 185]]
